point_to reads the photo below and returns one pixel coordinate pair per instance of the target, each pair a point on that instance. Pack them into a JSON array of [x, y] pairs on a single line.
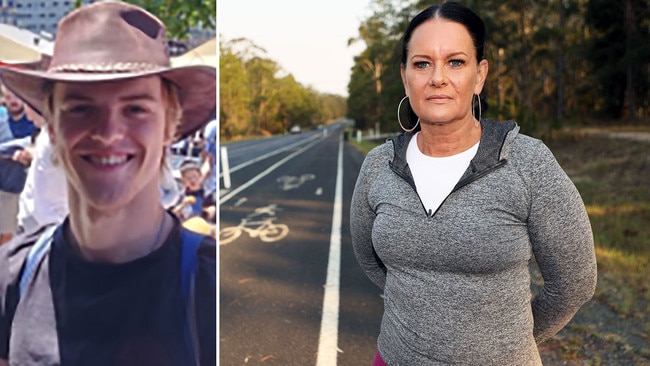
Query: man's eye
[[136, 109], [80, 109], [457, 63]]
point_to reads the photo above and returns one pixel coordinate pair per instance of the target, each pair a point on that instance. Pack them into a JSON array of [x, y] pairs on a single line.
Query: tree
[[234, 112], [375, 84], [179, 16], [257, 97], [549, 60]]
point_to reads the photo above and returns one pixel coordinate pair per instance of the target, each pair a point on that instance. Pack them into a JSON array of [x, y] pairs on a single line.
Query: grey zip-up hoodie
[[456, 282]]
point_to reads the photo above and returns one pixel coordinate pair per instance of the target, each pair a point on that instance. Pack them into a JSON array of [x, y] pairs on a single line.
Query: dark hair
[[454, 12]]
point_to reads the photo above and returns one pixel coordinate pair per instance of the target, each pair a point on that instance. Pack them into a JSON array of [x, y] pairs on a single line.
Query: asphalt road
[[284, 223]]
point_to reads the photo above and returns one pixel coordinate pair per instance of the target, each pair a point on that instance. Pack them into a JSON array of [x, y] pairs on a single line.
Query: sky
[[306, 38]]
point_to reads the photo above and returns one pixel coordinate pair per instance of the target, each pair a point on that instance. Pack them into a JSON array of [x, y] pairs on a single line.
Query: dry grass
[[613, 177]]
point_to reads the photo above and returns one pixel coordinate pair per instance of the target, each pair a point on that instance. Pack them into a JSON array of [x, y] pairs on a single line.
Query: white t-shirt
[[435, 177], [44, 200]]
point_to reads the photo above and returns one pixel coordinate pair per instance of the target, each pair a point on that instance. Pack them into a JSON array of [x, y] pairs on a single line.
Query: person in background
[[19, 121], [119, 282], [170, 191], [44, 199], [16, 154], [7, 199], [5, 130], [194, 199], [446, 217], [209, 158]]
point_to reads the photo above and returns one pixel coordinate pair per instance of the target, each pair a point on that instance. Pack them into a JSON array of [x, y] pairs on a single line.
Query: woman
[[119, 282], [446, 217]]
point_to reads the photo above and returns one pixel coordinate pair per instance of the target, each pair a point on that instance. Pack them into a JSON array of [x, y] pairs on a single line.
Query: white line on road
[[262, 157], [234, 192], [328, 342]]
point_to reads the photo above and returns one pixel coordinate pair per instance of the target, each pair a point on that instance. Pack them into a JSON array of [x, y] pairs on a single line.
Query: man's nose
[[109, 128]]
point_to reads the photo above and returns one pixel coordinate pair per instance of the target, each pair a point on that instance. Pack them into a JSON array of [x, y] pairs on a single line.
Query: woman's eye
[[456, 63], [421, 64]]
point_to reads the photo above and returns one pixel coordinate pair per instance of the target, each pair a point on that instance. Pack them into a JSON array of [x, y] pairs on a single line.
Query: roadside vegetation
[[613, 177]]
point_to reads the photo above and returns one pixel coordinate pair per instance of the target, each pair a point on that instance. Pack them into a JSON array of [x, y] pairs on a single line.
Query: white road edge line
[[328, 341], [262, 157], [234, 192]]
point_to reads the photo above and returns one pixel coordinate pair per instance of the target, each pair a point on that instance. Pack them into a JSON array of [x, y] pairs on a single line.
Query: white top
[[435, 177], [44, 200]]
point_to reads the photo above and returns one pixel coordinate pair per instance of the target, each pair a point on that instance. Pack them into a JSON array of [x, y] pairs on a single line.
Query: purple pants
[[378, 360]]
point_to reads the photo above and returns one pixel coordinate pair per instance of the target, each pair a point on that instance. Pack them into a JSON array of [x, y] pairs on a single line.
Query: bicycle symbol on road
[[264, 228], [288, 182]]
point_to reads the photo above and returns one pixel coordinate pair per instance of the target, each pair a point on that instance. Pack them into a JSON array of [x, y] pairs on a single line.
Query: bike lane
[[272, 275], [272, 291]]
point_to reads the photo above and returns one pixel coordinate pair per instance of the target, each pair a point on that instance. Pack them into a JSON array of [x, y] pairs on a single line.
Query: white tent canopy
[[18, 46], [205, 54]]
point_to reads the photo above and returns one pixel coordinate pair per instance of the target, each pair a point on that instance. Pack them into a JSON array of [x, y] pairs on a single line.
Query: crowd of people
[[99, 263]]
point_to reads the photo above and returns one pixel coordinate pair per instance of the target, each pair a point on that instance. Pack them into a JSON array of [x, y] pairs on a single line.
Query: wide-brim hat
[[112, 40]]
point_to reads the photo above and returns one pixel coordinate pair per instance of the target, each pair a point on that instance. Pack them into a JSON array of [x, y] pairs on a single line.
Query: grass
[[612, 176]]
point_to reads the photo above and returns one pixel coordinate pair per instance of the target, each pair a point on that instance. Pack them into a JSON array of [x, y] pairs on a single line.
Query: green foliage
[[550, 61], [178, 15], [258, 98]]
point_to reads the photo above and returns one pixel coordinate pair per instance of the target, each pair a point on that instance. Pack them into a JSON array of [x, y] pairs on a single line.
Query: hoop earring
[[400, 121], [479, 108]]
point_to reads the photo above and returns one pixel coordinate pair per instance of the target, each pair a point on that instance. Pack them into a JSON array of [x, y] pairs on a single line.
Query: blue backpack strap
[[189, 264], [34, 258]]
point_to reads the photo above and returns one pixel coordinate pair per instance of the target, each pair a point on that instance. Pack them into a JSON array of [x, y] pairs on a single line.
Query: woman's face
[[441, 74], [110, 138]]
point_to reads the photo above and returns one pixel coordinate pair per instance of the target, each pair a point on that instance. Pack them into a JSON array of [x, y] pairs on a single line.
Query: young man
[[119, 282]]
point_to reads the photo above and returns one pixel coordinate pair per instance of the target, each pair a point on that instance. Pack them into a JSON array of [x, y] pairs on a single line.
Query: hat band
[[106, 67]]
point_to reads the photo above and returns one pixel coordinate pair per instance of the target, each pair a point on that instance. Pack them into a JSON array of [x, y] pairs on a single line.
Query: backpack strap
[[34, 257], [189, 264]]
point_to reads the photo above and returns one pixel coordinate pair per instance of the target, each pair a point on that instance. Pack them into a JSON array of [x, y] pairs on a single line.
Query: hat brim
[[197, 85]]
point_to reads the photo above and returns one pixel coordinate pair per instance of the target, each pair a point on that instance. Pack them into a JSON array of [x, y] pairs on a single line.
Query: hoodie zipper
[[473, 177]]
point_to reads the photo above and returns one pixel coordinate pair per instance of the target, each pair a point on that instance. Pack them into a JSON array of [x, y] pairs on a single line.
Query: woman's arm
[[563, 246], [362, 218]]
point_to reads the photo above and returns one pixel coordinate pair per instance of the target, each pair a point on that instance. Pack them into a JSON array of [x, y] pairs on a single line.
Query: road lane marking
[[319, 191], [328, 341], [262, 157], [234, 192], [263, 228]]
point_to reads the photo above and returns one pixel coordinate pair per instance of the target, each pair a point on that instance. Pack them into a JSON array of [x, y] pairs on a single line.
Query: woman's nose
[[438, 77]]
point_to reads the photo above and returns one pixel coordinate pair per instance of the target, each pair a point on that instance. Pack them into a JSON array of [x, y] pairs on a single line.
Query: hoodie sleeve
[[362, 217], [562, 243]]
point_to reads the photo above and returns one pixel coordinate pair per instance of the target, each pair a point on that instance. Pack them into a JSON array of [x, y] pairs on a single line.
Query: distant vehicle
[[295, 129]]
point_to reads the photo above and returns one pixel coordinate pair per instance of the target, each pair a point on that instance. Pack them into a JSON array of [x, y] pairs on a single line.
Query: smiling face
[[441, 73], [110, 138]]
